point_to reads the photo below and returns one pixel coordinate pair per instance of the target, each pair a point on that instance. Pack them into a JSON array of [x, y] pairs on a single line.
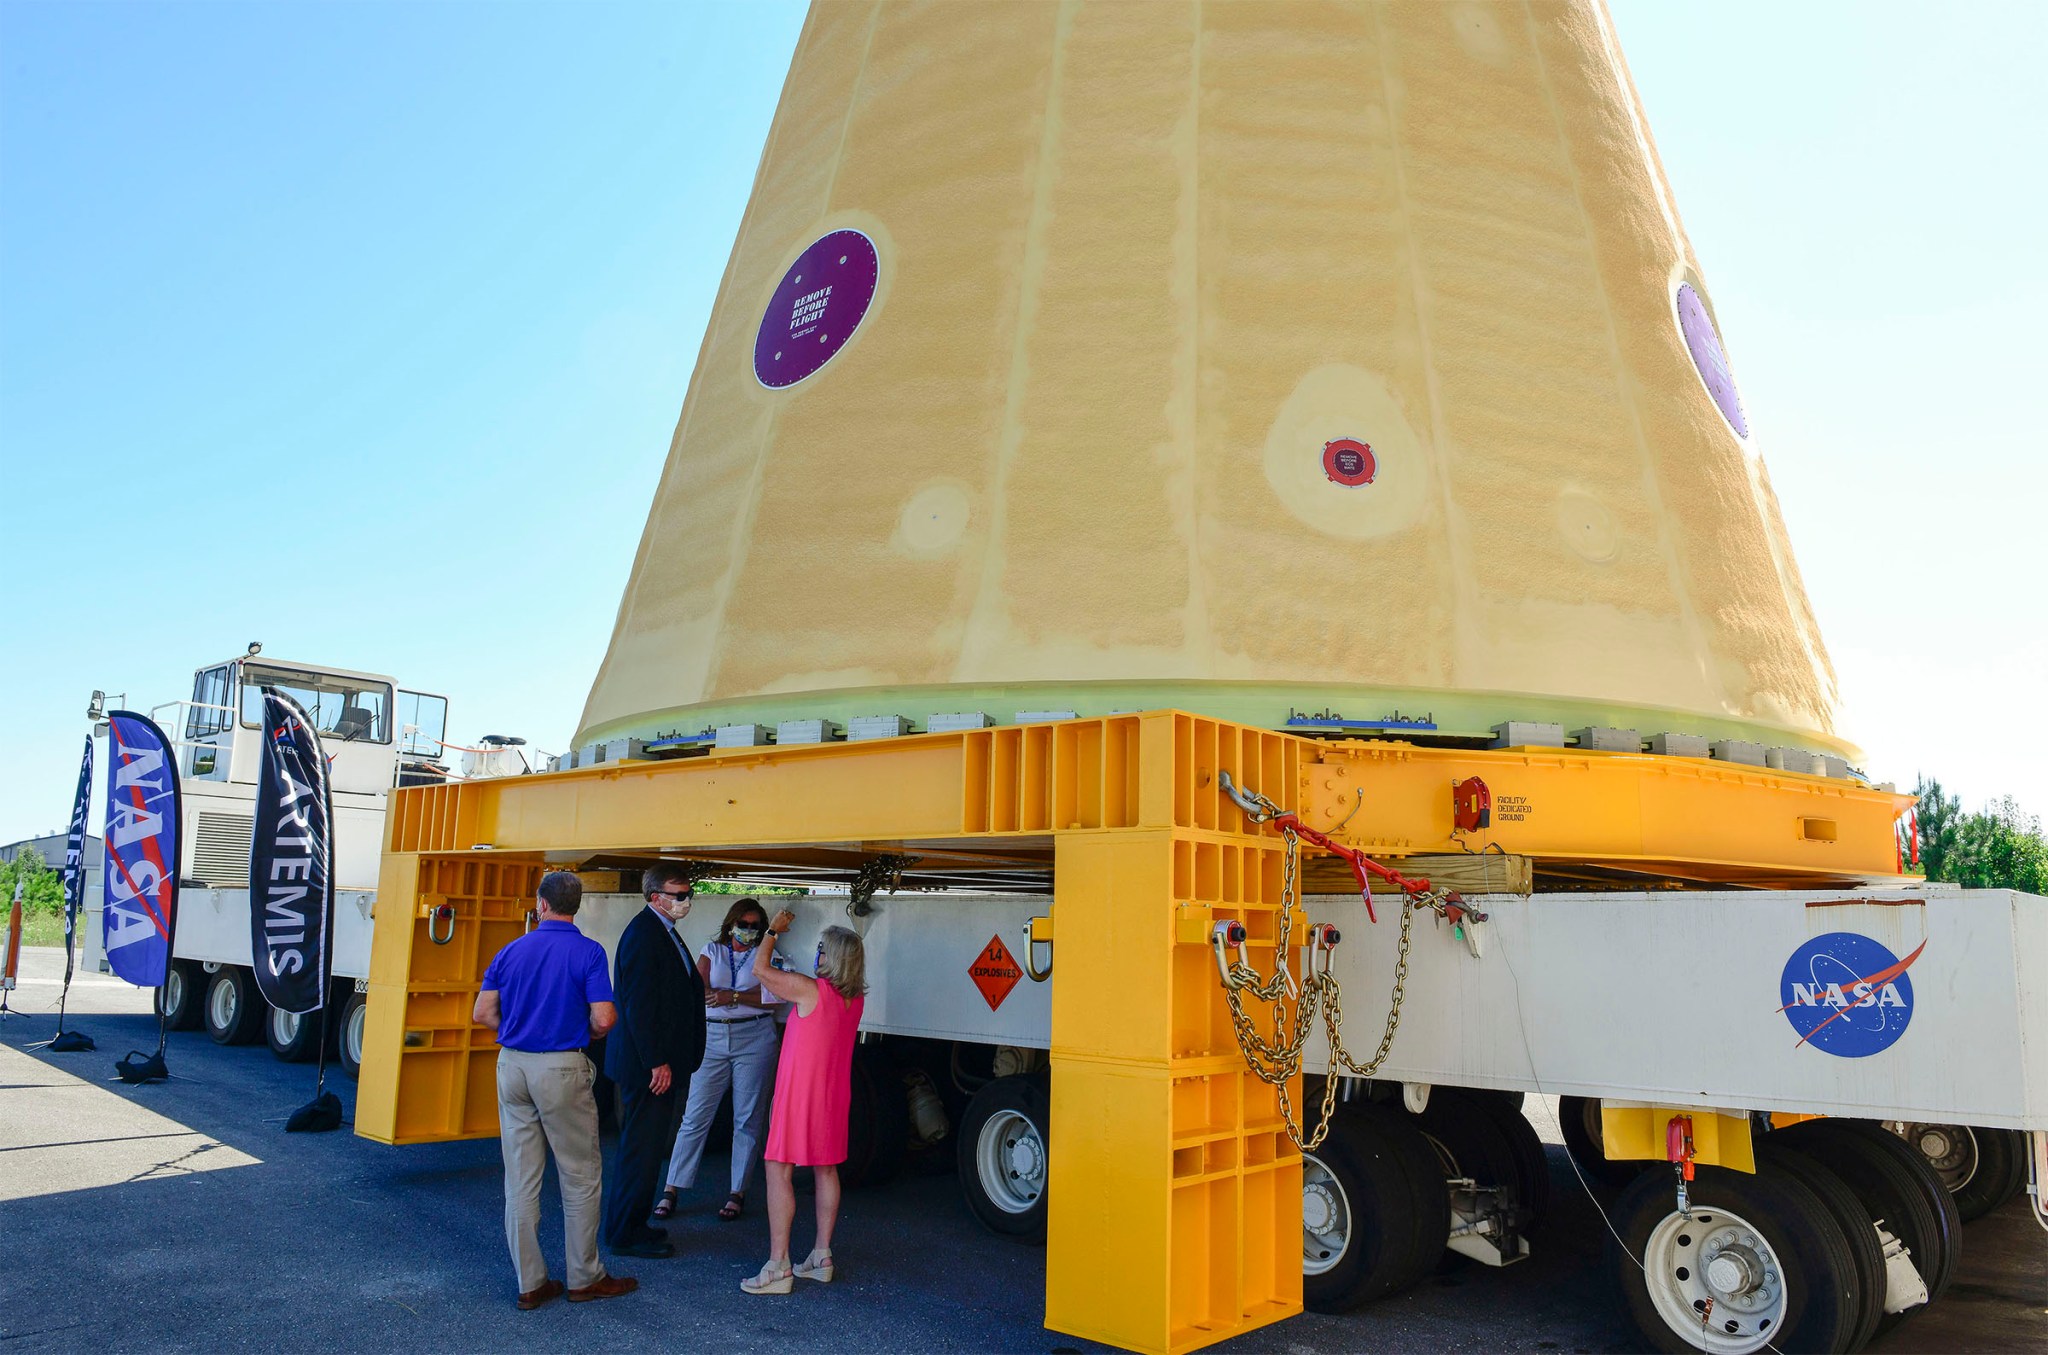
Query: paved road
[[181, 1216]]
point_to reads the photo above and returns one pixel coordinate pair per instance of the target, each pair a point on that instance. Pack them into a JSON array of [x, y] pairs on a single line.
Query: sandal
[[775, 1278], [734, 1205], [667, 1208], [817, 1266]]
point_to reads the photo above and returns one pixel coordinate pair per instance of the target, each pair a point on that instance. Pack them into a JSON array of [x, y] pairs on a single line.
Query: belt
[[738, 1020]]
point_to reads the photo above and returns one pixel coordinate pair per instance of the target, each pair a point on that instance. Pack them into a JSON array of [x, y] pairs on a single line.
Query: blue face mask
[[819, 967]]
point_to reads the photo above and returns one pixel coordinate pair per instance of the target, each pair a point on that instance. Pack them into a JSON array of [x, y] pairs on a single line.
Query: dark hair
[[562, 892], [733, 915], [656, 879]]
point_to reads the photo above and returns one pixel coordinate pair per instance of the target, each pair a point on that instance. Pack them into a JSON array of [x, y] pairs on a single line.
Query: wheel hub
[[1318, 1209], [1715, 1280]]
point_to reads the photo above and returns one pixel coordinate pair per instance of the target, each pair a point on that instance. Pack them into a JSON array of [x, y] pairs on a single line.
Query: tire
[[1899, 1189], [1478, 1140], [1002, 1151], [234, 1009], [1858, 1227], [349, 1034], [1982, 1168], [1579, 1118], [292, 1039], [1532, 1164], [1375, 1187], [182, 998], [1768, 1224], [877, 1120]]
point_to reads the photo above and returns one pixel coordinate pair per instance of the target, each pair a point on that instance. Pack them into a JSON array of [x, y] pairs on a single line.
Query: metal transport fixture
[[1231, 530]]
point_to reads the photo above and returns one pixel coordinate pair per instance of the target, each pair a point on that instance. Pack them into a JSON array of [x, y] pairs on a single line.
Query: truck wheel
[[349, 1047], [1002, 1153], [1475, 1139], [1579, 1118], [1982, 1168], [1374, 1214], [292, 1038], [181, 998], [877, 1120], [234, 1009], [1757, 1261], [1898, 1188], [1852, 1216], [1532, 1164]]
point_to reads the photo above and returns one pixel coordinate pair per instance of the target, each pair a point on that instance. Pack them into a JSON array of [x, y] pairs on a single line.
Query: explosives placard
[[995, 972]]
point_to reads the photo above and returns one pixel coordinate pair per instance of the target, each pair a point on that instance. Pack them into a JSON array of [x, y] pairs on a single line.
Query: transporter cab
[[377, 736]]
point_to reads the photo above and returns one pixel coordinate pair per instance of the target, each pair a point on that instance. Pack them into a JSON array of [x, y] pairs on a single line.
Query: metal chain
[[1278, 1061]]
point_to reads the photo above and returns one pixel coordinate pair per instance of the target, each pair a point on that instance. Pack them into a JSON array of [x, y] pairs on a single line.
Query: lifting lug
[[1678, 1149], [441, 923], [1229, 932], [1032, 941], [1322, 939]]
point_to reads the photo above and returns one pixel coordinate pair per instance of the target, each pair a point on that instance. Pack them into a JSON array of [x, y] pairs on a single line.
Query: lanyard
[[732, 964]]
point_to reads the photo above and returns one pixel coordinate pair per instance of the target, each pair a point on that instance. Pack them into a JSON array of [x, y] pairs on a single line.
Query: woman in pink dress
[[813, 1088]]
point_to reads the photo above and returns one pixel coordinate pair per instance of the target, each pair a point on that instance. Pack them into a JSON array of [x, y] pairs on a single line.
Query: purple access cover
[[1712, 364], [822, 300]]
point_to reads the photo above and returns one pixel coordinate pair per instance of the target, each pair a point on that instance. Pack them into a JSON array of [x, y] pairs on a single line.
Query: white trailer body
[[1687, 1018]]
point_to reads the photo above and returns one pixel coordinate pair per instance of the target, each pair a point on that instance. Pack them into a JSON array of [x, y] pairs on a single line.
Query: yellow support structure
[[1719, 1138], [1124, 817]]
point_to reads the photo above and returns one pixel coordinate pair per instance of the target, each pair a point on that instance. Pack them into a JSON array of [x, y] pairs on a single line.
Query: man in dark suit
[[649, 1056]]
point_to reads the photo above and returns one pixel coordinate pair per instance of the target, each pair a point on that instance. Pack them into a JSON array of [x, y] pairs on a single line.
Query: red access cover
[[995, 972], [1350, 462]]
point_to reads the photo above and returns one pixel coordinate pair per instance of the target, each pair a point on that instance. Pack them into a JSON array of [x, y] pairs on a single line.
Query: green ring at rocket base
[[1266, 705]]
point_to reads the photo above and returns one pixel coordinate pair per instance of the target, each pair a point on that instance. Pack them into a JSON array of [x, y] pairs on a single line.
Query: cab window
[[348, 709], [422, 723], [212, 707]]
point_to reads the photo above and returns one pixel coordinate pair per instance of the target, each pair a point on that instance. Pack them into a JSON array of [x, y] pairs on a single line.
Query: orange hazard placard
[[995, 972]]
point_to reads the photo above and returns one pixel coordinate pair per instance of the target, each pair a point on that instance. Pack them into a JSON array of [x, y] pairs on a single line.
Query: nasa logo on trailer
[[1847, 995], [1350, 462]]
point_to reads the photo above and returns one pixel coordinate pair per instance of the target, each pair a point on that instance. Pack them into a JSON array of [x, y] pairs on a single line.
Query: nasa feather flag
[[71, 1041], [291, 884], [140, 879]]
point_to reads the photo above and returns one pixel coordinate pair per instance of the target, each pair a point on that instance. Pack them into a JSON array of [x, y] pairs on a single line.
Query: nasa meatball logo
[[1349, 462], [1848, 995]]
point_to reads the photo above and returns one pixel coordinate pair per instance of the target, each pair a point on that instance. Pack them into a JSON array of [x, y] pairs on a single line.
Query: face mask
[[748, 937]]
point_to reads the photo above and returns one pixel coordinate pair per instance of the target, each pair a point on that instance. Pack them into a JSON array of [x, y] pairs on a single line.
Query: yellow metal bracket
[[1720, 1138]]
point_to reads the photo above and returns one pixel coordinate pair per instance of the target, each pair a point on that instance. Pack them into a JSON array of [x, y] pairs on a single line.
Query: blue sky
[[414, 292]]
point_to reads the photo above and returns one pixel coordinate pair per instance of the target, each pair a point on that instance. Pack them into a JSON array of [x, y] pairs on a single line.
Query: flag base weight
[[317, 1116], [71, 1042], [139, 1068]]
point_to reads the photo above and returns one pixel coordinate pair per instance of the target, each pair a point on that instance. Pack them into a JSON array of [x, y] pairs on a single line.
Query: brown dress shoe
[[534, 1298], [610, 1287]]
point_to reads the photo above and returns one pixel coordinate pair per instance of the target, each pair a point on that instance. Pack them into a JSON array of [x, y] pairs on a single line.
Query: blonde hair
[[845, 962]]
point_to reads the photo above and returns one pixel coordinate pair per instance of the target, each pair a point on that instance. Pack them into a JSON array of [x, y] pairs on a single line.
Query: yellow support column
[[1175, 1193]]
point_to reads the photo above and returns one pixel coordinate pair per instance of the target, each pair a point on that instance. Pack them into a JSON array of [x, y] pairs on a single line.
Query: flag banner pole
[[72, 1041], [291, 884], [11, 960], [139, 881]]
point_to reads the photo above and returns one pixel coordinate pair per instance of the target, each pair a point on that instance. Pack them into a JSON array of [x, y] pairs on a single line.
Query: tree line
[[1997, 847]]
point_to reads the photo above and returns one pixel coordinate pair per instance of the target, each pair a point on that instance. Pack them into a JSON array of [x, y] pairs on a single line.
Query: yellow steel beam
[[1692, 819]]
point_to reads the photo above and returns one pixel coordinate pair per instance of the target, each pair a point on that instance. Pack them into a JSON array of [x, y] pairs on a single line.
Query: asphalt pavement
[[181, 1216]]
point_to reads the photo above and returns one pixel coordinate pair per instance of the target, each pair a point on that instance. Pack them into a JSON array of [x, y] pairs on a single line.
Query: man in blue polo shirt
[[547, 996]]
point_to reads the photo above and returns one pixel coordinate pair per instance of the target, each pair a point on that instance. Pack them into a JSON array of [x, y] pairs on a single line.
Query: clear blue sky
[[413, 292]]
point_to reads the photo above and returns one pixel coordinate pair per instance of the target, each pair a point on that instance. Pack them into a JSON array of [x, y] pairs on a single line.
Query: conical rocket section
[[1244, 358]]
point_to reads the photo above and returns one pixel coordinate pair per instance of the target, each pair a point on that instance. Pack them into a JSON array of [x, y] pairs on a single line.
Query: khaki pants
[[545, 1102]]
